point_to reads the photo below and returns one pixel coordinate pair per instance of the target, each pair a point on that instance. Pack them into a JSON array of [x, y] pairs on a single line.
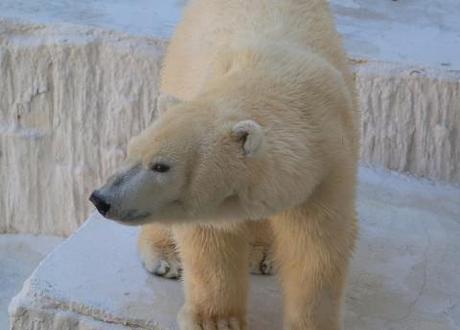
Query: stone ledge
[[72, 95], [404, 274], [95, 280], [410, 118], [70, 98]]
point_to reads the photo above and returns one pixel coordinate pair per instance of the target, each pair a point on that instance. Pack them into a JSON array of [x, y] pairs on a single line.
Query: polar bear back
[[210, 27]]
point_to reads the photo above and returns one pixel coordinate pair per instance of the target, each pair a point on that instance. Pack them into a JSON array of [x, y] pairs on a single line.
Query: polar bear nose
[[101, 205]]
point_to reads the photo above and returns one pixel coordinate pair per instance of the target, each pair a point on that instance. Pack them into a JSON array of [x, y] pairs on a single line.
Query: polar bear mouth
[[134, 215]]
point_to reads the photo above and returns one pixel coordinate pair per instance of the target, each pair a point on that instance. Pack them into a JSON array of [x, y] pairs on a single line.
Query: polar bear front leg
[[158, 252], [215, 273], [313, 251]]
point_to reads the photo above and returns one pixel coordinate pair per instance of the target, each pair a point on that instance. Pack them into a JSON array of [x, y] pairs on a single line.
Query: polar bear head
[[195, 162], [247, 147]]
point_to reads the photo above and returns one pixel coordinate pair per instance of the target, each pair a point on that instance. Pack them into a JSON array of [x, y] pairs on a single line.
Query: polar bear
[[258, 122]]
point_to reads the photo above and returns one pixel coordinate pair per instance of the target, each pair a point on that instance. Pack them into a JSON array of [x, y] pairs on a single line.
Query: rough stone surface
[[404, 274], [145, 18], [72, 94], [411, 32], [410, 119], [423, 32], [70, 98], [19, 256]]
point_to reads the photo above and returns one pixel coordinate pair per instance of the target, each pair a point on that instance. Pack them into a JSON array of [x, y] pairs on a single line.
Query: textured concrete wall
[[70, 97], [410, 119]]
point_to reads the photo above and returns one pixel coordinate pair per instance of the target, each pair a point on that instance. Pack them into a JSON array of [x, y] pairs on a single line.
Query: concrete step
[[20, 254], [67, 57], [404, 274]]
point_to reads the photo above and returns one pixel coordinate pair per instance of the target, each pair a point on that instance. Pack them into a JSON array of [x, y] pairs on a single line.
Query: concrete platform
[[404, 274], [414, 32], [81, 77], [19, 256]]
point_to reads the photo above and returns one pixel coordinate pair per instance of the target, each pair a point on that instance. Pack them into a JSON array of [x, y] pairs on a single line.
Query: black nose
[[102, 206]]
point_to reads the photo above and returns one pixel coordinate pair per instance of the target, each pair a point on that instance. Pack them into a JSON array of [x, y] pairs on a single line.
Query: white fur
[[165, 101], [252, 136], [274, 73]]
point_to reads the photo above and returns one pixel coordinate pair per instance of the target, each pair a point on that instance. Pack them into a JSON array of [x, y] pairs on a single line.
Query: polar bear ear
[[251, 135], [165, 101]]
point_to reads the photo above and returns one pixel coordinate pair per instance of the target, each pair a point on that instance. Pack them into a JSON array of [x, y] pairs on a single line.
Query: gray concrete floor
[[19, 255], [404, 274]]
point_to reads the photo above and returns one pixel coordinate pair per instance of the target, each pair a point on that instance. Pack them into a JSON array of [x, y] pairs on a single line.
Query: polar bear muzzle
[[136, 192]]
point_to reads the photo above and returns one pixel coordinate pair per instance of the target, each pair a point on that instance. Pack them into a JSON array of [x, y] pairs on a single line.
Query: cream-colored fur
[[262, 124], [160, 256]]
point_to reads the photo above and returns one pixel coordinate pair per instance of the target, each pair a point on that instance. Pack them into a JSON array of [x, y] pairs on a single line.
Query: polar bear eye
[[161, 168]]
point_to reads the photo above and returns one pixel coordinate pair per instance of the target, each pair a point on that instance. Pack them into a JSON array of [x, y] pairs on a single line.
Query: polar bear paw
[[190, 321], [260, 260], [167, 267]]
